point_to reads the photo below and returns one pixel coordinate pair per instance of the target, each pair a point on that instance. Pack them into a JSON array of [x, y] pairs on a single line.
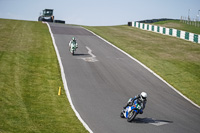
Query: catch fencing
[[167, 31]]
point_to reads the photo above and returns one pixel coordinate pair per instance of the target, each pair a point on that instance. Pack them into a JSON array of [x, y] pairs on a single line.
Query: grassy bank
[[29, 81], [176, 24], [175, 60]]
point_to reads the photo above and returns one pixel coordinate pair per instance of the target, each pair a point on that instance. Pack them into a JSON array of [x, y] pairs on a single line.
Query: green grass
[[29, 82], [176, 24], [175, 60]]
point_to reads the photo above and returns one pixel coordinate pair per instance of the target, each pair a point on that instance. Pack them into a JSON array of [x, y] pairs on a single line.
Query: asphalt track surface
[[101, 79]]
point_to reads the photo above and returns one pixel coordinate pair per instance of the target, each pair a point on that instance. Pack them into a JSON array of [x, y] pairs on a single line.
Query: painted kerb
[[168, 31]]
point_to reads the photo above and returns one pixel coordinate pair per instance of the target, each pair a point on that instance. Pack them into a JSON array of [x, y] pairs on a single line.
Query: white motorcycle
[[72, 48]]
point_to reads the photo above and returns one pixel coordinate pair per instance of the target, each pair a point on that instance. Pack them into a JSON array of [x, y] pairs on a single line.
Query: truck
[[47, 15]]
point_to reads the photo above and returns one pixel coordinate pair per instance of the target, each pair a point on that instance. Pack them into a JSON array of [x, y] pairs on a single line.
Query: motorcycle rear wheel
[[131, 116]]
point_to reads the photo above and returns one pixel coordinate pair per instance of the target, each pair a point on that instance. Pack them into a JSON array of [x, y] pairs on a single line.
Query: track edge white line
[[65, 81]]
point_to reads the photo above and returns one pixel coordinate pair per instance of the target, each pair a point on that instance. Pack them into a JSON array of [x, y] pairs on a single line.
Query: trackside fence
[[167, 31]]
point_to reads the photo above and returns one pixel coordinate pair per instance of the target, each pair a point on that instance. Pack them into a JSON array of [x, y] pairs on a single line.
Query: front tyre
[[131, 116], [122, 115]]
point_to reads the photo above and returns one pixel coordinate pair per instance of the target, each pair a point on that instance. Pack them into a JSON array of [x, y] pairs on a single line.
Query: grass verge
[[29, 81], [177, 61], [176, 24]]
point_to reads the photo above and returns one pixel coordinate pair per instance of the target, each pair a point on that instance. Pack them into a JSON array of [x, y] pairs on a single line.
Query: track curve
[[101, 79]]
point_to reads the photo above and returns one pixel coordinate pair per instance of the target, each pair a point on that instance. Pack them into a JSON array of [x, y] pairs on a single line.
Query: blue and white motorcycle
[[130, 112]]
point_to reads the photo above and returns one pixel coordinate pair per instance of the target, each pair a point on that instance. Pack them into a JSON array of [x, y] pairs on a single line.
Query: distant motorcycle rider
[[73, 43], [142, 99]]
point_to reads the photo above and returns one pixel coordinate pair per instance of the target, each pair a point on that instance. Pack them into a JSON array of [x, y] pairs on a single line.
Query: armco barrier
[[167, 31]]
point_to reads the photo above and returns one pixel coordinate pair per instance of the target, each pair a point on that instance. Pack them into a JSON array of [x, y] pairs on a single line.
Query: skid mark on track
[[92, 58]]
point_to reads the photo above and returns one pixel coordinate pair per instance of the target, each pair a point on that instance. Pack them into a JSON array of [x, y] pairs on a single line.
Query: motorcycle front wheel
[[131, 116], [121, 115]]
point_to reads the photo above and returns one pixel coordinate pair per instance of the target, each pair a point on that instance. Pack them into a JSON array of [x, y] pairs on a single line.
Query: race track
[[101, 79]]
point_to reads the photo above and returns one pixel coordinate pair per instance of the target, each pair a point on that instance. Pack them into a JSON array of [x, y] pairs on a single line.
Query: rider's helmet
[[73, 38], [143, 96]]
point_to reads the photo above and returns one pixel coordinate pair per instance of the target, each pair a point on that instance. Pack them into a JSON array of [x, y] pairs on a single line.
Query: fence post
[[187, 35], [196, 38], [170, 32], [158, 29], [164, 30], [178, 33], [152, 28]]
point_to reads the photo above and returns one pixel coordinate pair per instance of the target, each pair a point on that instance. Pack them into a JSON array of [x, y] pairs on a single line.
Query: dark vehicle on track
[[47, 15]]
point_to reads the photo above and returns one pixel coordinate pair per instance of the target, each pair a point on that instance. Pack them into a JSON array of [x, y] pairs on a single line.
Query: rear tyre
[[131, 116]]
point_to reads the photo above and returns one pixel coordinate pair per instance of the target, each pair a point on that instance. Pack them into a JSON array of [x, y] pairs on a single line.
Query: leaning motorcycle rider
[[73, 42], [142, 99]]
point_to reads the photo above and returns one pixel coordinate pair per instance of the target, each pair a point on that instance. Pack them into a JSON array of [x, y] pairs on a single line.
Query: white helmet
[[73, 38], [143, 96]]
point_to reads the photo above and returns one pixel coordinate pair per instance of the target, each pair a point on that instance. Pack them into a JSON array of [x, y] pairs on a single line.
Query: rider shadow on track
[[77, 54], [151, 121]]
